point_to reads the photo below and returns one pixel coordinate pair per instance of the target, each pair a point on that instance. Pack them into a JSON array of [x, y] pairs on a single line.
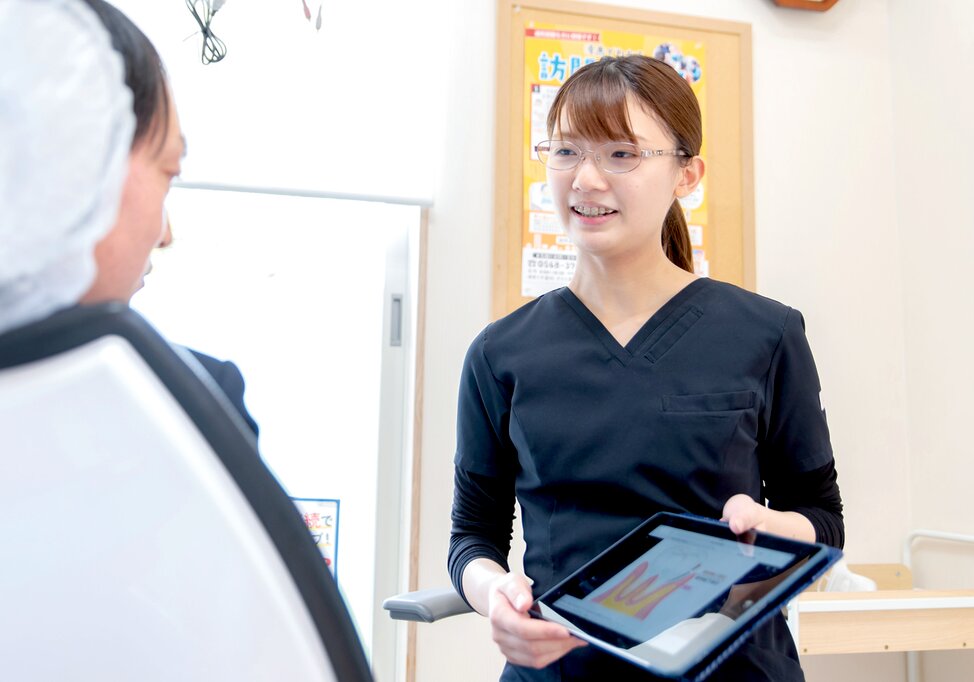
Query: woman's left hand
[[744, 514]]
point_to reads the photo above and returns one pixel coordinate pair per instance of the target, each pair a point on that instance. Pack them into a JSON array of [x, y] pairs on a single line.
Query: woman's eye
[[622, 153], [563, 151]]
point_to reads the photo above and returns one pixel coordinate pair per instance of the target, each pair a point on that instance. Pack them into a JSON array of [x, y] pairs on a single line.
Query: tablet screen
[[671, 594]]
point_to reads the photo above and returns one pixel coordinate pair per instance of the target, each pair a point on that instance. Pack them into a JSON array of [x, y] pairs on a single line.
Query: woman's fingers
[[536, 653], [531, 642], [743, 514], [524, 640], [516, 590]]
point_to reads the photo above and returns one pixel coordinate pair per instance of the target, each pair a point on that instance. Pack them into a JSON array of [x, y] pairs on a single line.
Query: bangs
[[593, 103], [156, 118]]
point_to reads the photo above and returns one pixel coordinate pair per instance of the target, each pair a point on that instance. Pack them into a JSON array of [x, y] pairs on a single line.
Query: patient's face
[[122, 256]]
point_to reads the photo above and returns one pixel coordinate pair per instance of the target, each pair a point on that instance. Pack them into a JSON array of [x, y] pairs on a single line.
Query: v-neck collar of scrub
[[638, 344]]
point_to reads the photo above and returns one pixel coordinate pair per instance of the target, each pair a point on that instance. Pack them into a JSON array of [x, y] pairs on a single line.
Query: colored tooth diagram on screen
[[638, 599]]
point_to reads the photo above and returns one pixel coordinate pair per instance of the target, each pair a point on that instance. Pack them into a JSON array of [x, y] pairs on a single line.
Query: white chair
[[141, 536]]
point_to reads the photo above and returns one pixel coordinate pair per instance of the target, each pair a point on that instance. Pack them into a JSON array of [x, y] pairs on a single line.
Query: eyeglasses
[[612, 157]]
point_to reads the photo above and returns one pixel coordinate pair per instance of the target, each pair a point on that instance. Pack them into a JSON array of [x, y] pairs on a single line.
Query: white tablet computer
[[679, 594]]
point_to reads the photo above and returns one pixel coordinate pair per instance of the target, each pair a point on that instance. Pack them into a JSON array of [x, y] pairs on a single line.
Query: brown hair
[[594, 100]]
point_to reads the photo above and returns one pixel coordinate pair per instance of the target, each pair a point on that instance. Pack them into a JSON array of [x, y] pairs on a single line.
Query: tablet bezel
[[816, 557]]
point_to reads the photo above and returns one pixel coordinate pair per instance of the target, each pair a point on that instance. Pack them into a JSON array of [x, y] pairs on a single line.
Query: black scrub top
[[717, 394]]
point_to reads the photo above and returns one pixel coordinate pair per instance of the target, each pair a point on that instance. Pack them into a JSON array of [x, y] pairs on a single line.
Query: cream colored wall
[[932, 58], [828, 155], [458, 281]]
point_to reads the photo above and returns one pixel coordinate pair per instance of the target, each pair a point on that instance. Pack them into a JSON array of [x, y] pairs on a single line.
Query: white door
[[312, 298]]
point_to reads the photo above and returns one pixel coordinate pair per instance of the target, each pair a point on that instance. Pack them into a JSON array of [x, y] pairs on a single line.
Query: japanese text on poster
[[321, 518]]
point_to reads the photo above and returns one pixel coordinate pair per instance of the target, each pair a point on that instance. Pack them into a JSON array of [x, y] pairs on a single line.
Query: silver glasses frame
[[582, 153]]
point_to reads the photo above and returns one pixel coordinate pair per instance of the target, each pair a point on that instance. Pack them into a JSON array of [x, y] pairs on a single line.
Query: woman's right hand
[[522, 639]]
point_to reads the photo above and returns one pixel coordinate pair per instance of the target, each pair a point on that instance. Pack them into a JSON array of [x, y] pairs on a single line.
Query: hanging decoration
[[307, 13], [203, 11]]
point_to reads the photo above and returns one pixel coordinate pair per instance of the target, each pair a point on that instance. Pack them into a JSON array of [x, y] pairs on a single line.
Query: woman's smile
[[592, 214]]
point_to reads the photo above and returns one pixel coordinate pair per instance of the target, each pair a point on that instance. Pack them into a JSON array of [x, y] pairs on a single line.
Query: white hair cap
[[66, 127]]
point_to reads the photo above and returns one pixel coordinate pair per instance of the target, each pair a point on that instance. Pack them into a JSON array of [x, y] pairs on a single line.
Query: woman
[[636, 389]]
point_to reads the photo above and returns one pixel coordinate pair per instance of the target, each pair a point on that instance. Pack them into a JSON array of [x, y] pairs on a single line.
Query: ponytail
[[676, 238]]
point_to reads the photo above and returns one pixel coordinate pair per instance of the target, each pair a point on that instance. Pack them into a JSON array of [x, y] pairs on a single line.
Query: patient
[[158, 147], [97, 182], [66, 126]]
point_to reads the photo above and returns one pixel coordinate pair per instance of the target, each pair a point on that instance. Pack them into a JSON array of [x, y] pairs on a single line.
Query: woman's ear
[[690, 176]]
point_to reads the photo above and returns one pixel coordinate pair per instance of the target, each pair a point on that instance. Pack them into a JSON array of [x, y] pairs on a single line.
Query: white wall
[[933, 109], [457, 304], [934, 137], [831, 195], [290, 106]]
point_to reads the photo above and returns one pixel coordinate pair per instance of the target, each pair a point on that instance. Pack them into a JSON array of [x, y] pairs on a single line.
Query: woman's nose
[[588, 175]]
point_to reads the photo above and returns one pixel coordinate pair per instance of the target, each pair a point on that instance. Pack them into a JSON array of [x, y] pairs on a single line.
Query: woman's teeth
[[592, 211]]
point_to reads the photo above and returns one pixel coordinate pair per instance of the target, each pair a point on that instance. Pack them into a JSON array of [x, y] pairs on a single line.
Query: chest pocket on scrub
[[710, 402], [711, 440]]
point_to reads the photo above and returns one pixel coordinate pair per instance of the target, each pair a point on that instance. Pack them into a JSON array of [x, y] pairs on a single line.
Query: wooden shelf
[[894, 618]]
